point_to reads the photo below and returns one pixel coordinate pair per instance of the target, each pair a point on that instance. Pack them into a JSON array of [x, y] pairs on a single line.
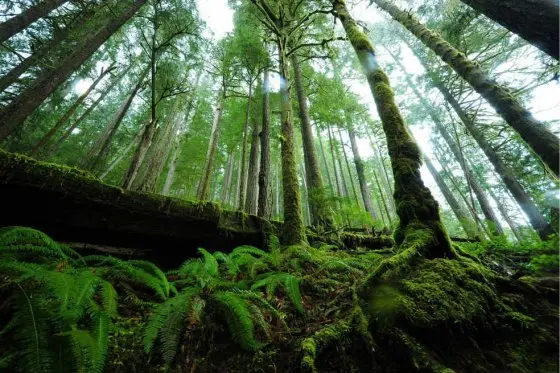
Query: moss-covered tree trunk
[[420, 228], [242, 192], [19, 22], [264, 169], [321, 213], [294, 230], [543, 142], [252, 176], [469, 226], [14, 115], [71, 110], [204, 186], [534, 20]]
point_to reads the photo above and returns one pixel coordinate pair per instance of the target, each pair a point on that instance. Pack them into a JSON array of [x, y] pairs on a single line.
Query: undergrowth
[[288, 309]]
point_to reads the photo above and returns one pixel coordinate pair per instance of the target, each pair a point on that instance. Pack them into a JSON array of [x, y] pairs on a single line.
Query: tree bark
[[467, 223], [20, 22], [243, 182], [264, 172], [536, 21], [543, 142], [325, 162], [320, 211], [416, 207], [359, 164], [15, 114], [204, 186], [252, 178], [62, 121]]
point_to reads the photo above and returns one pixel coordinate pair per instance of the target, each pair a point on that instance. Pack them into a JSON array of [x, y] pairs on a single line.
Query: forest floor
[[491, 310]]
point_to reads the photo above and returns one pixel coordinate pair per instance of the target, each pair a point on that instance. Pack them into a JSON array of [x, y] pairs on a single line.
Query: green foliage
[[62, 309]]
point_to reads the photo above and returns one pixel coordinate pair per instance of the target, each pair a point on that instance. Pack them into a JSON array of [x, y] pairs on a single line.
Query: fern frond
[[246, 249], [155, 271], [109, 297], [28, 240], [210, 264], [236, 313], [289, 282], [161, 316]]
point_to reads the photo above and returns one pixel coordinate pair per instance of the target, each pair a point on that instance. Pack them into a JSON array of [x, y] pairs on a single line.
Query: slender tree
[[359, 164], [321, 212]]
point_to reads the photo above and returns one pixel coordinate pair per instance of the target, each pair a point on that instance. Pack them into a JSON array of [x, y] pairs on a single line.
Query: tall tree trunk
[[416, 207], [468, 200], [293, 229], [159, 152], [305, 195], [252, 178], [204, 186], [542, 141], [333, 157], [350, 176], [100, 149], [14, 115], [122, 155], [242, 191], [383, 201], [264, 172], [359, 164], [62, 121], [20, 22], [320, 211], [534, 20], [74, 125], [469, 226], [505, 213], [325, 162], [227, 179]]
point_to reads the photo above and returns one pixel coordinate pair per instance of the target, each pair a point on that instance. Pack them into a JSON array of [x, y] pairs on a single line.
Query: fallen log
[[71, 205]]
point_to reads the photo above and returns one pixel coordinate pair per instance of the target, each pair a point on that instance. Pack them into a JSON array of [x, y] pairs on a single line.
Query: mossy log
[[74, 206]]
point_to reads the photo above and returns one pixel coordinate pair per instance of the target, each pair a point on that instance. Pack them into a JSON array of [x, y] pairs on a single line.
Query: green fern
[[236, 312], [290, 284]]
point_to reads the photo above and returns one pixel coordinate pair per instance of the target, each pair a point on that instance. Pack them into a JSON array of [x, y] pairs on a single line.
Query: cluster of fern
[[57, 306], [61, 306]]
